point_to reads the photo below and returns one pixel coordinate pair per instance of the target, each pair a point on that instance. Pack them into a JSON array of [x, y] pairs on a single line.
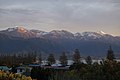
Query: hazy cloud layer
[[72, 15]]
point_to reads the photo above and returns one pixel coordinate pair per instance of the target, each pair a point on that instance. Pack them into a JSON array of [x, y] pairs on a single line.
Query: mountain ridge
[[89, 43], [24, 33]]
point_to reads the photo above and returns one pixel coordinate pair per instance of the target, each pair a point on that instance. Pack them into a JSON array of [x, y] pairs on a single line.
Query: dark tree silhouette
[[89, 60], [76, 56], [110, 54], [51, 59], [40, 58], [63, 59]]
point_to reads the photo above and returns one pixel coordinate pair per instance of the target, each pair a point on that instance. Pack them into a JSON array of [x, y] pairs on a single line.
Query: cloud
[[82, 14]]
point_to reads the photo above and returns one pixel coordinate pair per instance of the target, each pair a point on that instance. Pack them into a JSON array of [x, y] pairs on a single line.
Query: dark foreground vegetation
[[12, 76], [107, 69]]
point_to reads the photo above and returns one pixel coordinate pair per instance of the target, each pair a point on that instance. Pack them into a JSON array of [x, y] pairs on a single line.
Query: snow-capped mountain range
[[24, 33], [90, 43]]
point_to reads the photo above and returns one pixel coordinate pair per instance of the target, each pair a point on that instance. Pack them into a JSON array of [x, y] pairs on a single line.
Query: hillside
[[19, 39]]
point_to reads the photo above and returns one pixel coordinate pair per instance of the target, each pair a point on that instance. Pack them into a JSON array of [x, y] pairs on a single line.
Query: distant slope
[[56, 41]]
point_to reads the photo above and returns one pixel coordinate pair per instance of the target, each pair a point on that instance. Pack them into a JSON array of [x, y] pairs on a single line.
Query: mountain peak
[[101, 32], [16, 28], [21, 29]]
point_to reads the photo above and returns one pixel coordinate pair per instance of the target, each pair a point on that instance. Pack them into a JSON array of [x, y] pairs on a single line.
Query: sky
[[71, 15]]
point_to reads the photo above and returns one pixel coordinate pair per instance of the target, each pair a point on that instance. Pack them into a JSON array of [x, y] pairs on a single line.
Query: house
[[23, 69], [4, 68], [34, 65], [56, 66]]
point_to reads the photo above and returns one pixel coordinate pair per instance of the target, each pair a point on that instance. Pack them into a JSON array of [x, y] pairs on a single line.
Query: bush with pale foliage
[[11, 76]]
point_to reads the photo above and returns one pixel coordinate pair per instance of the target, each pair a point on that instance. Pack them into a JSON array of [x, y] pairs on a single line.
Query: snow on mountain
[[93, 35], [24, 33], [19, 29], [78, 36], [18, 32], [101, 32], [10, 29], [22, 30], [56, 41], [61, 33], [39, 33]]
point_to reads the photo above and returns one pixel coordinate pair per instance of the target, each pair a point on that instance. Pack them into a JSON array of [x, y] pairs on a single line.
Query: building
[[23, 69], [4, 68]]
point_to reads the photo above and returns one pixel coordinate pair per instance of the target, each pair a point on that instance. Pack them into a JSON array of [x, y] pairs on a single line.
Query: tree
[[34, 56], [63, 59], [51, 59], [110, 54], [76, 56], [89, 60], [40, 58]]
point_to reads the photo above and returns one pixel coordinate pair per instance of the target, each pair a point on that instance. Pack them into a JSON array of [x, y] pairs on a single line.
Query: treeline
[[17, 59], [107, 69], [27, 58]]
